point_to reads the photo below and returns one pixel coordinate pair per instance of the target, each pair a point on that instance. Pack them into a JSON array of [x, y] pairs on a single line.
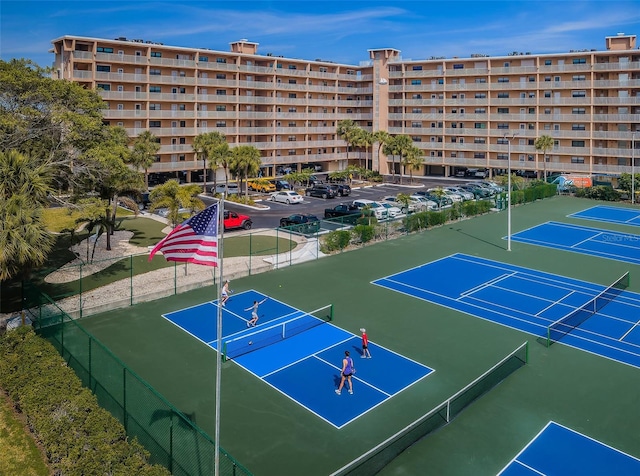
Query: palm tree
[[245, 162], [24, 187], [381, 137], [363, 138], [413, 160], [401, 146], [173, 196], [346, 131], [204, 145], [222, 156], [143, 155], [545, 144]]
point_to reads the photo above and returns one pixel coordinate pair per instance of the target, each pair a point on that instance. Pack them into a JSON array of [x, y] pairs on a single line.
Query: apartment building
[[462, 112]]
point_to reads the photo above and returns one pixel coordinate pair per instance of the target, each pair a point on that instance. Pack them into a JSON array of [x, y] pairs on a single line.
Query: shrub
[[601, 192], [79, 437], [336, 240], [364, 233]]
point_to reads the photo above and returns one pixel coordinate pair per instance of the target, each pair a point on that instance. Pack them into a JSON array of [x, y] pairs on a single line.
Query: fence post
[[131, 279], [250, 252], [80, 295], [175, 277]]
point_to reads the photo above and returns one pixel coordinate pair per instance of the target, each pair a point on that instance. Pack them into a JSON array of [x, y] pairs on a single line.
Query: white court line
[[591, 238], [629, 332], [389, 395], [487, 284]]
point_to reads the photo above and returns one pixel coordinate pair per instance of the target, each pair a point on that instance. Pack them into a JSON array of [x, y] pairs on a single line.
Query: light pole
[[633, 168], [508, 139]]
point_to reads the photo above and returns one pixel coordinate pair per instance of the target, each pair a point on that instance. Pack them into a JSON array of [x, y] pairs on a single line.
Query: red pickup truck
[[233, 220]]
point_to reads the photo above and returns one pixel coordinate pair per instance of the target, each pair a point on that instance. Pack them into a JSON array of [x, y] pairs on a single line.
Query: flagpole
[[219, 337]]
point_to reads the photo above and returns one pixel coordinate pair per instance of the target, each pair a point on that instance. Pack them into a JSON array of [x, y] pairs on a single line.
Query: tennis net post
[[558, 329], [270, 333]]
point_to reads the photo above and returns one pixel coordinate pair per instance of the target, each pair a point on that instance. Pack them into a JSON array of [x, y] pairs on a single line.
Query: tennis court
[[300, 355], [558, 450], [582, 239], [619, 215], [552, 307]]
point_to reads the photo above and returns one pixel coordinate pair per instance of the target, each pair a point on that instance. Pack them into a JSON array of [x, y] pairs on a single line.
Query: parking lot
[[270, 218]]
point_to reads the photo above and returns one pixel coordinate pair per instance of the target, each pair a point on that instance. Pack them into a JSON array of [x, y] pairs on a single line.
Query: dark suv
[[341, 189], [320, 190], [302, 223]]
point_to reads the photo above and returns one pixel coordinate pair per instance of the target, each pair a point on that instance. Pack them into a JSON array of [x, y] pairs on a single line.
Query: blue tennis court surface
[[582, 239], [622, 216], [305, 366], [558, 450], [527, 300]]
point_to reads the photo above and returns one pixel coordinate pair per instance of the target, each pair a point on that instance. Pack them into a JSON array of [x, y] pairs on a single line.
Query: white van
[[222, 188], [379, 211]]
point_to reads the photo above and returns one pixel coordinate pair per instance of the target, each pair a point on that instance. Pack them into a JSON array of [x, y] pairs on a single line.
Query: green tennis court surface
[[271, 434]]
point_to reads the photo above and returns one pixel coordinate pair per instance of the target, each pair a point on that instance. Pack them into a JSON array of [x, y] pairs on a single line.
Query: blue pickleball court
[[609, 214], [560, 451], [306, 365]]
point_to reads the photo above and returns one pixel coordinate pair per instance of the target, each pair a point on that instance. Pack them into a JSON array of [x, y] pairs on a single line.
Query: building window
[[458, 66], [577, 160], [577, 143], [579, 77], [417, 68], [155, 124], [503, 156], [503, 110], [503, 141], [416, 82], [183, 123], [479, 125], [292, 152], [221, 76], [416, 96], [101, 68], [293, 81], [481, 80], [293, 66], [183, 140], [155, 89], [156, 54], [547, 62], [221, 124], [104, 86], [221, 92], [503, 80], [103, 49], [547, 94], [503, 95], [480, 110], [579, 60], [547, 78], [221, 107], [221, 60], [416, 124], [479, 140], [154, 107], [577, 127], [480, 96], [292, 124], [416, 110], [292, 95], [503, 125], [578, 94], [204, 59], [154, 72], [479, 155], [578, 110]]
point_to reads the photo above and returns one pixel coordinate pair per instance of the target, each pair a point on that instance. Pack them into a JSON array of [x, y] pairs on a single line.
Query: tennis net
[[558, 329], [255, 339]]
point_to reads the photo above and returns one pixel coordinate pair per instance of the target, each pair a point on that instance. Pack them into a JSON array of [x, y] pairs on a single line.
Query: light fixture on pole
[[508, 139], [633, 168]]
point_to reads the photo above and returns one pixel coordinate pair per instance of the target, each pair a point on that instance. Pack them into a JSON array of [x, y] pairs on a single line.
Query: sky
[[336, 31]]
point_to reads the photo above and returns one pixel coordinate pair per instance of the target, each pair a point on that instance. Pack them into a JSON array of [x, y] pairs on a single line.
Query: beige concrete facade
[[457, 110]]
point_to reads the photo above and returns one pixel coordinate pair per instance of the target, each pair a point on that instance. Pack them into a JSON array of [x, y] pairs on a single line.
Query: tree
[[143, 155], [363, 138], [205, 146], [173, 196], [245, 163], [221, 155], [381, 137], [545, 144], [24, 240], [412, 159], [346, 130], [397, 145]]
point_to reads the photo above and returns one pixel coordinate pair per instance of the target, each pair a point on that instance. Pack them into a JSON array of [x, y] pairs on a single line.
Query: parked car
[[455, 197], [320, 190], [478, 192], [411, 207], [228, 189], [286, 196], [477, 173], [260, 186], [428, 205], [379, 211], [341, 189], [235, 220], [466, 195], [392, 210], [491, 184], [441, 201], [302, 223], [345, 212], [281, 185]]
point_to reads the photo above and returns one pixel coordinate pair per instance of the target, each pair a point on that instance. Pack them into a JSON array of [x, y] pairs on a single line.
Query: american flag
[[194, 241]]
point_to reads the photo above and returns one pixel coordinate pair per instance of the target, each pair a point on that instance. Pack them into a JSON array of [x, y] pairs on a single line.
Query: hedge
[[79, 437]]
